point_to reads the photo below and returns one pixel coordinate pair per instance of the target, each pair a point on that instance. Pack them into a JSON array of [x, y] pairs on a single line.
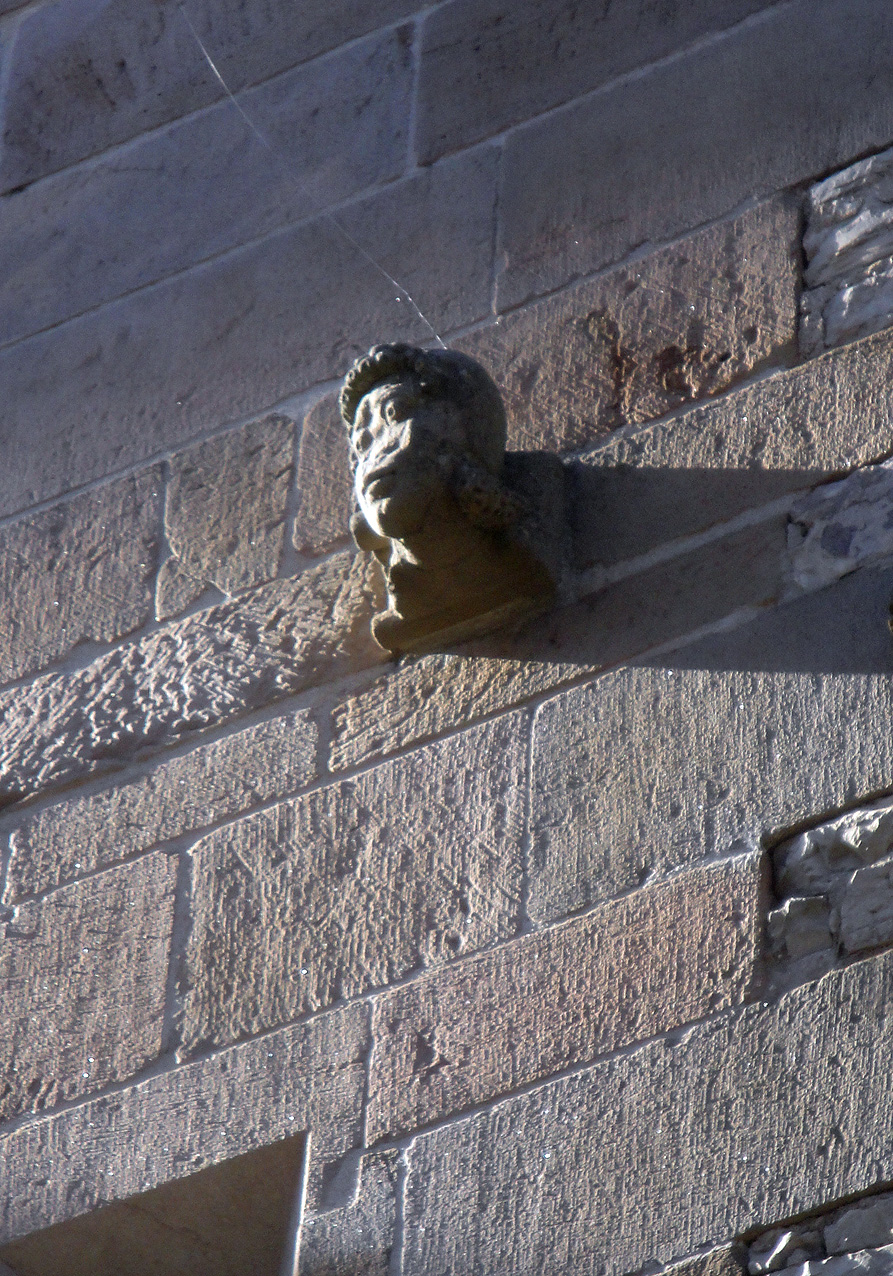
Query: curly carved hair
[[440, 374]]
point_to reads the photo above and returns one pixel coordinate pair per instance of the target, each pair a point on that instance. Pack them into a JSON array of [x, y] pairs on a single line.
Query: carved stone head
[[428, 433]]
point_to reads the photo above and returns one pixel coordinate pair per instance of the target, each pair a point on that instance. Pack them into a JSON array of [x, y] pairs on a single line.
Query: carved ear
[[487, 502], [363, 535]]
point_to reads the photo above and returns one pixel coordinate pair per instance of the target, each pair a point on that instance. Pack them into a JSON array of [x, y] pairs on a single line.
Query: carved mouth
[[380, 482]]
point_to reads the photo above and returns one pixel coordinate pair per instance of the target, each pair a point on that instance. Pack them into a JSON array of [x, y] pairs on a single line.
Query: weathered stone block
[[842, 526], [649, 768], [226, 505], [358, 1239], [215, 780], [631, 1161], [82, 570], [483, 69], [82, 81], [819, 860], [82, 238], [325, 483], [199, 672], [665, 956], [114, 387], [849, 220], [846, 310], [678, 325], [688, 141], [82, 985], [866, 911], [682, 476], [310, 1077], [865, 1226], [357, 885]]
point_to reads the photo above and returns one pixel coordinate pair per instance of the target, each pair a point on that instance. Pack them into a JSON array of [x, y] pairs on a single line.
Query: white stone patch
[[852, 1241], [848, 243], [841, 526], [865, 1226]]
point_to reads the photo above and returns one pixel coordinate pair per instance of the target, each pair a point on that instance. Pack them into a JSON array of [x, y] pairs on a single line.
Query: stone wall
[[565, 950]]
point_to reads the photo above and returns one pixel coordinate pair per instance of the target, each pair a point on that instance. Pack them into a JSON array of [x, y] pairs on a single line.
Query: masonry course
[[305, 1078], [481, 72], [263, 322], [213, 781], [195, 673], [80, 83], [359, 1237], [79, 571], [549, 1001], [739, 118], [226, 506], [74, 968], [355, 886], [795, 1113]]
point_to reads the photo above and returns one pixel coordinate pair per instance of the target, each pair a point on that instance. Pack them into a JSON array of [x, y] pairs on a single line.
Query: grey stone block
[[356, 885], [226, 504], [554, 1000], [866, 911], [151, 371], [307, 1078], [685, 143], [76, 968], [799, 927], [325, 482], [868, 1262], [82, 570], [770, 1111], [82, 80], [358, 1239], [842, 526], [849, 220], [682, 476], [680, 324], [486, 66], [864, 1226], [844, 311], [781, 1246], [652, 767], [199, 672], [208, 784], [204, 185], [819, 860]]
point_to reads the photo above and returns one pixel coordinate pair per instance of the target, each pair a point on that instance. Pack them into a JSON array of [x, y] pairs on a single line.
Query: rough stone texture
[[82, 570], [794, 93], [325, 484], [204, 185], [842, 526], [82, 80], [781, 1246], [863, 1226], [74, 969], [870, 1262], [210, 783], [677, 325], [357, 885], [225, 1220], [800, 926], [866, 912], [705, 467], [113, 387], [790, 1103], [735, 736], [812, 862], [358, 1239], [849, 220], [553, 1000], [486, 66], [200, 672], [853, 308], [226, 505], [309, 1077]]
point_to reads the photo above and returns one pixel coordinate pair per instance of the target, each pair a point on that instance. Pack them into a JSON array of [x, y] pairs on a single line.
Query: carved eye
[[362, 440]]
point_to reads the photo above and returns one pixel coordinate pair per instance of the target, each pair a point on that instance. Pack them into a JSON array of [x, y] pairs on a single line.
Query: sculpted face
[[406, 446]]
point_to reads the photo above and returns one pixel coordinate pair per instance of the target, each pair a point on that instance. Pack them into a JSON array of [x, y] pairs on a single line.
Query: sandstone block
[[678, 325], [226, 504], [358, 1239], [682, 476], [74, 970], [864, 1226], [82, 570], [186, 793], [81, 82], [551, 1000], [356, 885], [741, 117], [307, 1078], [483, 70], [630, 1161], [325, 483], [652, 767], [82, 237], [119, 384], [200, 672]]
